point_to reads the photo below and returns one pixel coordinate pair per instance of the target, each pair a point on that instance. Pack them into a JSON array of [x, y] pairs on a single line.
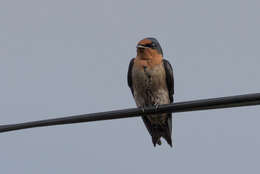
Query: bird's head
[[149, 48]]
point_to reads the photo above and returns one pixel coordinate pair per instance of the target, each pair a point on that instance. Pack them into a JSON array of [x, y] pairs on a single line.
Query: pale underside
[[150, 88]]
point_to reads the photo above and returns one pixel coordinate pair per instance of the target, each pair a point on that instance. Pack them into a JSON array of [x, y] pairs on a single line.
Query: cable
[[195, 105]]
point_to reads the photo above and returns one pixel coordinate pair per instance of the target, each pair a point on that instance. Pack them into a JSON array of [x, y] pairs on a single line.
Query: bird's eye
[[153, 45], [150, 45]]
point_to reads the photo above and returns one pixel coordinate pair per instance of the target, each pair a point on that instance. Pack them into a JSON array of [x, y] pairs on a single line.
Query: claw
[[142, 108], [156, 105]]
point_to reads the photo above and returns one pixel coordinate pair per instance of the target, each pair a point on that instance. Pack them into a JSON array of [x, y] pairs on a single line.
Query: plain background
[[60, 58]]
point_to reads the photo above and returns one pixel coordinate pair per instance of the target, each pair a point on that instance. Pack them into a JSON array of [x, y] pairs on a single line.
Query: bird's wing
[[170, 85], [169, 78], [130, 84], [129, 75]]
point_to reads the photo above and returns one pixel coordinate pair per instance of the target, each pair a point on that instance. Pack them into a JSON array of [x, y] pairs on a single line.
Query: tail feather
[[161, 131], [167, 137], [156, 139]]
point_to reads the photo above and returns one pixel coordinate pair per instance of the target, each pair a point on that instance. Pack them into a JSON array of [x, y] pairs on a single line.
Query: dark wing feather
[[147, 124], [129, 75], [130, 84], [170, 85], [169, 78]]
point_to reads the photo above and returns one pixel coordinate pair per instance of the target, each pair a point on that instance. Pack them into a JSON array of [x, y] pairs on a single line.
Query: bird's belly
[[150, 87], [149, 90]]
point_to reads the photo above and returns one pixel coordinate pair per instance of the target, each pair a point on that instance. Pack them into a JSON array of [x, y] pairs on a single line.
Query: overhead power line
[[195, 105]]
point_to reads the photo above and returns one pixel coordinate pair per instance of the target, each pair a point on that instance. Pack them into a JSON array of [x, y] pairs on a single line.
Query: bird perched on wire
[[150, 78]]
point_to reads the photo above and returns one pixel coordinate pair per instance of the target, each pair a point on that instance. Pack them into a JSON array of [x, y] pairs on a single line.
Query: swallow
[[150, 79]]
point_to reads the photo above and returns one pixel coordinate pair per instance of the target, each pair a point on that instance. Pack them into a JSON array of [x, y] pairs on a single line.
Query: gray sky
[[61, 58]]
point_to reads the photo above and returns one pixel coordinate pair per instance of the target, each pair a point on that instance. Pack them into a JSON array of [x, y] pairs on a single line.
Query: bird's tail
[[159, 131]]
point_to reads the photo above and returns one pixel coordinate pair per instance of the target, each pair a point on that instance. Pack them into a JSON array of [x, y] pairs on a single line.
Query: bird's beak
[[141, 46]]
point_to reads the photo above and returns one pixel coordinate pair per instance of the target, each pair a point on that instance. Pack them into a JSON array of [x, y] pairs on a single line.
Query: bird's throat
[[148, 62]]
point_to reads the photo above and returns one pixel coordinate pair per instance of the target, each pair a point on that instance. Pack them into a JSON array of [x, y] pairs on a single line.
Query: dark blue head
[[150, 42]]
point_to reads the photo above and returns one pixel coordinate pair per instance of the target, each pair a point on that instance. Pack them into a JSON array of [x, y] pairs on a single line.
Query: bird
[[150, 79]]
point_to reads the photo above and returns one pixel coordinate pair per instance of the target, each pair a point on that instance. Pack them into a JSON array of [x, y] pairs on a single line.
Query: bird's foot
[[142, 108], [156, 106]]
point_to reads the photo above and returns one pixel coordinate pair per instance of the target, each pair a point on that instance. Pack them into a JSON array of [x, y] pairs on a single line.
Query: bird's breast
[[145, 76], [149, 84]]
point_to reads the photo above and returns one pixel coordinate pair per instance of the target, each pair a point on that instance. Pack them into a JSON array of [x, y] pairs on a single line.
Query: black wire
[[196, 105]]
